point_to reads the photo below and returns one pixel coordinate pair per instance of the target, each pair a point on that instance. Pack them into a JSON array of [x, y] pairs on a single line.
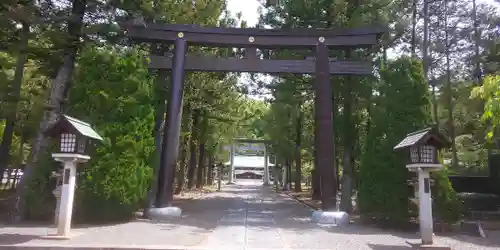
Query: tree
[[15, 94], [383, 192], [56, 96], [120, 106], [489, 92]]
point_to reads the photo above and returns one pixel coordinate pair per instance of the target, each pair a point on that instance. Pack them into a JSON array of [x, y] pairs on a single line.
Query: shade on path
[[244, 216]]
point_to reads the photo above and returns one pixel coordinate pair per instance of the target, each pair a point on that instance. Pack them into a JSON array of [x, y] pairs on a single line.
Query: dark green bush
[[401, 107], [119, 104], [446, 205], [40, 202], [479, 202]]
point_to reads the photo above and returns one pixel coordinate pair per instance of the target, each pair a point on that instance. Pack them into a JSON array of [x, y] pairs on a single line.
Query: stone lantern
[[73, 136], [421, 148]]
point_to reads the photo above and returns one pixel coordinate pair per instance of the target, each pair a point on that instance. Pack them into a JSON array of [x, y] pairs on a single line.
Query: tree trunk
[[289, 173], [298, 160], [349, 137], [58, 86], [192, 149], [19, 164], [210, 170], [449, 97], [21, 157], [15, 94], [347, 162], [181, 174], [316, 184], [425, 44], [201, 166], [477, 39], [427, 60], [414, 29]]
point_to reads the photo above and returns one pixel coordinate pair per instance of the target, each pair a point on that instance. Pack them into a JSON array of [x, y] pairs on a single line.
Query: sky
[[249, 9]]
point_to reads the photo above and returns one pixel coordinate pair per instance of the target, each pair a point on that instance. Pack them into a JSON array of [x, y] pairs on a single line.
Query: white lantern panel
[[427, 153], [68, 142], [414, 154]]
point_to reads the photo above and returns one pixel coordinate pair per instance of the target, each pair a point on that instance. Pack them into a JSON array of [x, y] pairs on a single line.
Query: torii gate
[[317, 41], [252, 141]]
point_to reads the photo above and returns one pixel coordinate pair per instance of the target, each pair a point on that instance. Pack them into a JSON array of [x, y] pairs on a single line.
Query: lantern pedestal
[[65, 210], [57, 194], [424, 199]]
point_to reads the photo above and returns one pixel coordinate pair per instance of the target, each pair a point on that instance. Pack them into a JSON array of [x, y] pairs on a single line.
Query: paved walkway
[[245, 216]]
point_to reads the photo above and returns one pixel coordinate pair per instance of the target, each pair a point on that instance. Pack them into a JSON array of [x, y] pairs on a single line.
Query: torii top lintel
[[254, 37], [245, 140]]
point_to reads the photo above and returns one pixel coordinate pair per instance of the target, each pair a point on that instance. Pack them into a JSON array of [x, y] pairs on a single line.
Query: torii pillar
[[266, 166]]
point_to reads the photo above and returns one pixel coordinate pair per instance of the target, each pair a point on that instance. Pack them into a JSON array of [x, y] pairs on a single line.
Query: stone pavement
[[245, 216]]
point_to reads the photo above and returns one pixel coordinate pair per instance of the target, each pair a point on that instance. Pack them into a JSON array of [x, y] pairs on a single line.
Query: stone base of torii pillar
[[165, 213]]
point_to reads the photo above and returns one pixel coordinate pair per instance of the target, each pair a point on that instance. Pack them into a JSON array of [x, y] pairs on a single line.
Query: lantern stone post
[[74, 138], [422, 155], [57, 193], [67, 190]]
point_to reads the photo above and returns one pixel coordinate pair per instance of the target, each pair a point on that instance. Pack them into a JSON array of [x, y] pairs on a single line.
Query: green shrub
[[114, 185], [40, 202], [447, 207], [479, 201], [114, 93], [401, 107]]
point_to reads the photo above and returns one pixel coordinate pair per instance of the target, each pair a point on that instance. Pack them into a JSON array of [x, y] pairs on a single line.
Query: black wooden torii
[[319, 40]]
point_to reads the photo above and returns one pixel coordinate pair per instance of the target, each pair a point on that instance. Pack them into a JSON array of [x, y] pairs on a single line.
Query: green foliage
[[489, 92], [400, 108], [112, 92], [447, 207], [39, 198], [470, 131]]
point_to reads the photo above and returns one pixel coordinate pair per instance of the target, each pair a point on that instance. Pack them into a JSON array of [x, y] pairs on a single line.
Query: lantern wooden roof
[[69, 124], [428, 136]]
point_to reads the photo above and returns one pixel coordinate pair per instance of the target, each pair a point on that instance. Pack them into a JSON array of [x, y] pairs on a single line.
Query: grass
[[196, 193], [305, 196]]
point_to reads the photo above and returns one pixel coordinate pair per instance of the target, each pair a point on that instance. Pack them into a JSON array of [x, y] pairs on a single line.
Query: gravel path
[[245, 216]]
